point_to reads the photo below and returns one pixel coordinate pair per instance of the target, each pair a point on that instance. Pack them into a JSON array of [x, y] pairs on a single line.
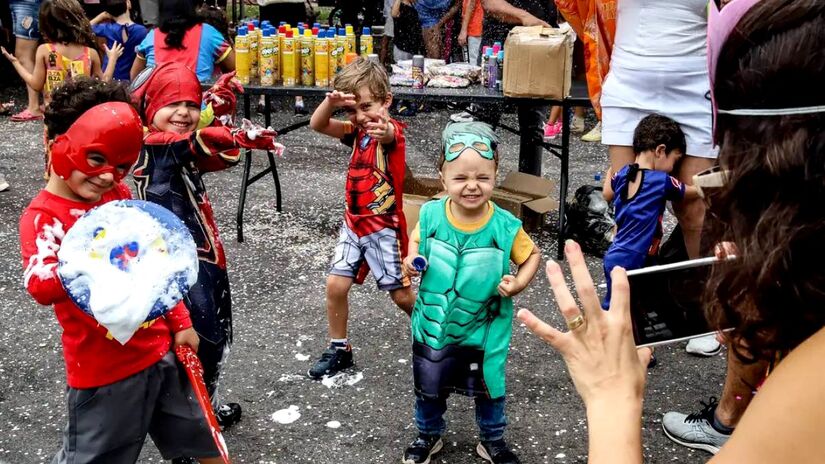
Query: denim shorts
[[24, 17], [430, 12]]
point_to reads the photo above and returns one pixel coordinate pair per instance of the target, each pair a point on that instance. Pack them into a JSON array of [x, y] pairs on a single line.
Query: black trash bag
[[673, 249], [590, 220]]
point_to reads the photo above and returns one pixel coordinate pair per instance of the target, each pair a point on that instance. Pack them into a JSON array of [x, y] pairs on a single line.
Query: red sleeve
[[40, 237], [192, 148], [178, 318]]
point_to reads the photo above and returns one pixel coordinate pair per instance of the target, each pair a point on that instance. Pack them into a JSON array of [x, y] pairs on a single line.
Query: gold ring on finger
[[576, 322]]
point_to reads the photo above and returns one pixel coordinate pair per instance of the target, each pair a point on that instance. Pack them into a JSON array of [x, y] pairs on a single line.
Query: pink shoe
[[26, 115], [551, 131]]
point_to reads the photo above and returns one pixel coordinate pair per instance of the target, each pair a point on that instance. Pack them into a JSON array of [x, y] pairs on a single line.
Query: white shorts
[[630, 94]]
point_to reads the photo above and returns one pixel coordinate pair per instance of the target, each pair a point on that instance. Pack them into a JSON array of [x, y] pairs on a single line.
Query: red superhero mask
[[112, 130], [169, 83]]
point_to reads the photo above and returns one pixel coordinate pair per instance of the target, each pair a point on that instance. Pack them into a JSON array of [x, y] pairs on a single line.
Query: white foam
[[301, 357], [286, 416], [342, 379], [333, 424], [121, 300]]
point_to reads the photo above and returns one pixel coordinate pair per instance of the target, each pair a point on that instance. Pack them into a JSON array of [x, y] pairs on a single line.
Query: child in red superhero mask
[[94, 136], [169, 172]]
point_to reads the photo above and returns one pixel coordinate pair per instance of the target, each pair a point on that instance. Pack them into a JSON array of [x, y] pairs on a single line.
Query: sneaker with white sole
[[552, 131], [704, 346], [695, 430], [462, 117], [4, 184], [595, 134]]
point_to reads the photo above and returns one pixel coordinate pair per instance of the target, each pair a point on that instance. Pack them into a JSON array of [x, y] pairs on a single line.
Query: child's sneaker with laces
[[333, 360], [497, 452], [422, 449]]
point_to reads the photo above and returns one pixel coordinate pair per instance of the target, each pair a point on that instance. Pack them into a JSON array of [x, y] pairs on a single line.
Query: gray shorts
[[382, 252], [110, 423]]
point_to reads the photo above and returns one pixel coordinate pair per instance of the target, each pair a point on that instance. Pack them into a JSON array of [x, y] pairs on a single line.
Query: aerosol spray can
[[418, 72]]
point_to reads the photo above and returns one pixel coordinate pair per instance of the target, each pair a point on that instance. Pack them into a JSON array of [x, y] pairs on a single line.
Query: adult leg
[[741, 380], [432, 41], [531, 125], [620, 156], [691, 213]]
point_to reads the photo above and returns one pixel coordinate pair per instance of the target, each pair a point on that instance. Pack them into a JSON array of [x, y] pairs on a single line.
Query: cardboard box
[[538, 62], [422, 186], [412, 205], [526, 197]]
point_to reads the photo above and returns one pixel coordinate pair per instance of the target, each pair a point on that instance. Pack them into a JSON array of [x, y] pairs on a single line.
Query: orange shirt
[[474, 28]]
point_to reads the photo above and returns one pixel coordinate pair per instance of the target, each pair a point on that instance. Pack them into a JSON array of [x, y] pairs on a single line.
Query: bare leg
[[404, 298], [432, 41], [25, 52], [578, 111], [338, 305], [691, 213], [555, 114], [386, 51], [620, 156], [210, 460], [740, 382]]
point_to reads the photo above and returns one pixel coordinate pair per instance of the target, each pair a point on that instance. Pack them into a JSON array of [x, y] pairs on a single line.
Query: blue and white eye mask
[[459, 137]]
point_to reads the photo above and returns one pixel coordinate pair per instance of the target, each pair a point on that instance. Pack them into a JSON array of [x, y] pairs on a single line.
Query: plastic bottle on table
[[254, 43], [366, 42], [281, 37], [242, 55], [492, 71], [333, 53], [349, 34], [288, 53], [267, 62], [307, 59], [418, 72], [322, 60], [340, 49], [487, 52], [496, 47], [500, 73]]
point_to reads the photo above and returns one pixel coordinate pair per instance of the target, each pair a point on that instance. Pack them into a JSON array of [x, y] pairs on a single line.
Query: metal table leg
[[564, 177], [247, 165]]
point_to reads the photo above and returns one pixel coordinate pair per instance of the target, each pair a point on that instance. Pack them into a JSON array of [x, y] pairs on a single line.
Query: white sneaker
[[695, 430], [595, 134], [4, 185], [461, 117], [704, 346], [577, 125]]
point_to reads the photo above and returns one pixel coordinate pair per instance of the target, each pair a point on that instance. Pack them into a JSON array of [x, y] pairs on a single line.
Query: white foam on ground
[[301, 357], [333, 424], [120, 300], [342, 379], [286, 416]]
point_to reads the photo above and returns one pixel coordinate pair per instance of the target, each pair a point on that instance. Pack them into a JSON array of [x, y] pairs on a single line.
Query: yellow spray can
[[288, 54], [307, 59], [322, 60], [254, 43], [242, 55], [341, 50], [350, 40], [366, 42], [267, 62]]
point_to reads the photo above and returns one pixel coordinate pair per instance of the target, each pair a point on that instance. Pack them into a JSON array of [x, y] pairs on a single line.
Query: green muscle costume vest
[[461, 326]]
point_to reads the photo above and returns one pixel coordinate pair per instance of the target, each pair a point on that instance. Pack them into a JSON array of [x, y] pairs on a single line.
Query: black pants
[[531, 117]]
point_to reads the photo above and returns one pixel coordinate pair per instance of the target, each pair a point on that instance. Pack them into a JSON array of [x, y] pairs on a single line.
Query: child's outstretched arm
[[35, 79], [512, 285], [112, 54], [322, 121], [381, 128]]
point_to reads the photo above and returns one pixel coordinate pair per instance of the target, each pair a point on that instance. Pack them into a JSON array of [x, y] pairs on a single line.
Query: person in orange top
[[472, 17]]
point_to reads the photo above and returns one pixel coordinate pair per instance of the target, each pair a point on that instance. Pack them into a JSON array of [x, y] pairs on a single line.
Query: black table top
[[473, 94]]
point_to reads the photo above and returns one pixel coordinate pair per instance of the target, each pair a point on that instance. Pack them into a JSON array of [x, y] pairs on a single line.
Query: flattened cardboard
[[538, 62], [412, 207], [422, 186]]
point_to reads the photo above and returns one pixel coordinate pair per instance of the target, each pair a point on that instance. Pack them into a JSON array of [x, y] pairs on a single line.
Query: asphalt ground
[[278, 275]]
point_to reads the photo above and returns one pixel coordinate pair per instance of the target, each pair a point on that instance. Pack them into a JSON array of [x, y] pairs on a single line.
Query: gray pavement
[[278, 277]]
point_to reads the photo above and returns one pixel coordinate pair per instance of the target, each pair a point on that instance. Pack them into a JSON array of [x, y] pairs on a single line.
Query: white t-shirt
[[660, 31]]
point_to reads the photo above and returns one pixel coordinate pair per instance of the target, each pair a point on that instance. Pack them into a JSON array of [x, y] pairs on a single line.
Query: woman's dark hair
[[655, 130], [63, 21], [114, 7], [77, 96], [215, 17], [175, 17], [773, 204]]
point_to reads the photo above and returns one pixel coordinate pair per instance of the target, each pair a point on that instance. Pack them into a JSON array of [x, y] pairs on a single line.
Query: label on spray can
[[418, 72]]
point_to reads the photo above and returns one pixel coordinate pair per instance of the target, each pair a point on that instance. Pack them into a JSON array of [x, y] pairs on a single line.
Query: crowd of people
[[716, 109]]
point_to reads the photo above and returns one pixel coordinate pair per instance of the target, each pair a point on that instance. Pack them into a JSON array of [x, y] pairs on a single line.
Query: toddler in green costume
[[462, 320]]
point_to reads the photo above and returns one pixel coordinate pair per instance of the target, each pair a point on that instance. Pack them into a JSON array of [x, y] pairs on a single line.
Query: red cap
[[281, 29], [250, 26], [314, 31], [111, 129], [289, 34]]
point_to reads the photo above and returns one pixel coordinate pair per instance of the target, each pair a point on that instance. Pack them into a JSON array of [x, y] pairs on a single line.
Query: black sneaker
[[332, 362], [228, 414], [496, 452], [422, 449]]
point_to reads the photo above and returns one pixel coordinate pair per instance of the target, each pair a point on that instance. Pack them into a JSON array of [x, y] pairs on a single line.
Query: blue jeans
[[429, 416], [24, 14]]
